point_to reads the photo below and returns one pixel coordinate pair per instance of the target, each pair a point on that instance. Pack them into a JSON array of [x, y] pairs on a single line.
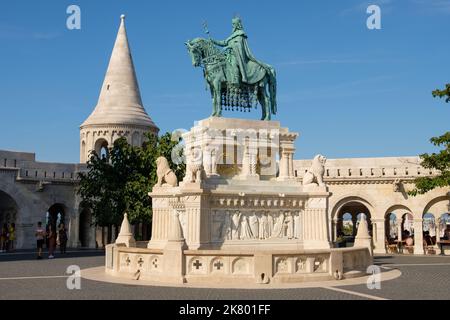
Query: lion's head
[[318, 164]]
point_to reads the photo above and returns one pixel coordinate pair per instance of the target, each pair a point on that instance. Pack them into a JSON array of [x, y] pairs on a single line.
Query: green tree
[[439, 161], [121, 182]]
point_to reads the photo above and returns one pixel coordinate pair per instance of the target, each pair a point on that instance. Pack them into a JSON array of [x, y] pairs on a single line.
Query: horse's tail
[[273, 90]]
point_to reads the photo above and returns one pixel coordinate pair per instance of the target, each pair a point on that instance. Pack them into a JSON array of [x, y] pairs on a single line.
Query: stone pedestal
[[236, 218], [242, 201]]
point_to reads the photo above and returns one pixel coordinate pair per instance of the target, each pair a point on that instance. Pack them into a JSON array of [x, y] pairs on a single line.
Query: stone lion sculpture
[[164, 173], [314, 176]]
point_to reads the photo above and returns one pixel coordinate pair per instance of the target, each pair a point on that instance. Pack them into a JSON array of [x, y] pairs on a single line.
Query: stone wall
[[36, 186], [379, 186]]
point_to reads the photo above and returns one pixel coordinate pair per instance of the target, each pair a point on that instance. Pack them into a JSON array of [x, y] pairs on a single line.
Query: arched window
[[101, 148]]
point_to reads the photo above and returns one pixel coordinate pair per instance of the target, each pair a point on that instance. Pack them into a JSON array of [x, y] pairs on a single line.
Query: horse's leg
[[213, 96], [262, 102], [219, 99], [267, 101]]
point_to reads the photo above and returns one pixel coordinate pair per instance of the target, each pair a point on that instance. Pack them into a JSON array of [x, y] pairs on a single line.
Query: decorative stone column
[[198, 220], [354, 223], [418, 236], [249, 161], [287, 151], [160, 219], [315, 233], [399, 231], [379, 235], [334, 227]]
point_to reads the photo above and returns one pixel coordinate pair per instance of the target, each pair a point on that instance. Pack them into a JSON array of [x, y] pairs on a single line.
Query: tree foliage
[[121, 182], [439, 161]]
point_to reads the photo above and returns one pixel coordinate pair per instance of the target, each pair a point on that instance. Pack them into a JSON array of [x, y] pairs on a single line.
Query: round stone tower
[[119, 111]]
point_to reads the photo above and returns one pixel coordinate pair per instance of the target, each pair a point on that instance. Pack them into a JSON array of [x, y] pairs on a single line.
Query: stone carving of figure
[[246, 232], [269, 225], [254, 225], [278, 227], [297, 226], [182, 218], [235, 225], [263, 227], [289, 225], [218, 228], [210, 161], [226, 227]]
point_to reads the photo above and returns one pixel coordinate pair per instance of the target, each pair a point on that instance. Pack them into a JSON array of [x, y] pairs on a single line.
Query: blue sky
[[349, 91]]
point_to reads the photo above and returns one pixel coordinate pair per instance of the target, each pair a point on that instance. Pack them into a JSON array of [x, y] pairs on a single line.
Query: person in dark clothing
[[62, 234]]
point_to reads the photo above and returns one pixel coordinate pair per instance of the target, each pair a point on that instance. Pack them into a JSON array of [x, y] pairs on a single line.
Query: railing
[[396, 170]]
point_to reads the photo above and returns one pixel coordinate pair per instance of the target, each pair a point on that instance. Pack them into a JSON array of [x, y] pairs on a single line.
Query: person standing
[[40, 236], [12, 236], [4, 238], [51, 241], [62, 234]]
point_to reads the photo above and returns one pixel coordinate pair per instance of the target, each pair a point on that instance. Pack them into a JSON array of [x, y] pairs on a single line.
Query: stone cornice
[[117, 126]]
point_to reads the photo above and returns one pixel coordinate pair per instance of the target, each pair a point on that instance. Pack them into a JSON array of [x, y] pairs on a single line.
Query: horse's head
[[195, 48]]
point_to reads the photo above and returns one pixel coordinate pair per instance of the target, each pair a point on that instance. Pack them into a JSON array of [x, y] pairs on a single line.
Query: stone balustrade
[[27, 168], [392, 168]]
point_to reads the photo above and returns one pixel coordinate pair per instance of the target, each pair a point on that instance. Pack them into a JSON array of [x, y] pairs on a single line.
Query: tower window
[[107, 87]]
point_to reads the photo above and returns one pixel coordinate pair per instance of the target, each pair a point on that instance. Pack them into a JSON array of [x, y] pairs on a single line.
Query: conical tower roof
[[120, 99]]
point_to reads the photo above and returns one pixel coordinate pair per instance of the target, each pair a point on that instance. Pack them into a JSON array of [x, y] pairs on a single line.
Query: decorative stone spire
[[363, 238], [119, 111], [120, 99], [125, 235]]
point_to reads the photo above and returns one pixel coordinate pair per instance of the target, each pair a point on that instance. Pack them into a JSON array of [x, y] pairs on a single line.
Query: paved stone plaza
[[23, 277]]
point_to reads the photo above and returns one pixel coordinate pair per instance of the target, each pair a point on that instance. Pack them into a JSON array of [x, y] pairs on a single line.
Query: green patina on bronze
[[236, 79]]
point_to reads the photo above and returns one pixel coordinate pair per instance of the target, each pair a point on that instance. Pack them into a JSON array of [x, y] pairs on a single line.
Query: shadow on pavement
[[31, 255]]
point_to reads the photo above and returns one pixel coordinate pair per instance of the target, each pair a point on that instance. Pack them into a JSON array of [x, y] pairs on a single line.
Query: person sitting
[[409, 244], [427, 238], [447, 233]]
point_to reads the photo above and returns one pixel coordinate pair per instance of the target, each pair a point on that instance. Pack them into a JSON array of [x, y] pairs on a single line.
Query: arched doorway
[[407, 225], [439, 209], [443, 226], [8, 214], [8, 209], [398, 218], [391, 227], [429, 226], [56, 215], [85, 227], [348, 217]]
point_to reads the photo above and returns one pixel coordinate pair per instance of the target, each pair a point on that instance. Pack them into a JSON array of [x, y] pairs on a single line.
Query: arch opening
[[348, 218]]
